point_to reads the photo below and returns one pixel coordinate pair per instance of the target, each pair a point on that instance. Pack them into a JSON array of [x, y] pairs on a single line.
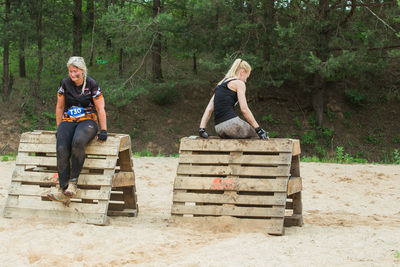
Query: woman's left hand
[[102, 136]]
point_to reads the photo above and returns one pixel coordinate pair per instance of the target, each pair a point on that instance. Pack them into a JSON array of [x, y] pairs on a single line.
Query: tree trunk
[[322, 53], [194, 63], [40, 45], [77, 28], [156, 51], [269, 22], [121, 53], [93, 31], [6, 47], [318, 98], [108, 40], [90, 14], [21, 57]]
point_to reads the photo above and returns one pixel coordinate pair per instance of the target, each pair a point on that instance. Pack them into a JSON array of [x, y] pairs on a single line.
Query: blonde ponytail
[[237, 66], [79, 62]]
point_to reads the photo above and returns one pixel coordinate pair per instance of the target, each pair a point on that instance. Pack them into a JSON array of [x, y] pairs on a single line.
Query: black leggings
[[72, 138]]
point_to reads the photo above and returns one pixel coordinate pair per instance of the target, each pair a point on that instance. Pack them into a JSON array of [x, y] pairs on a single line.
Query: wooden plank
[[289, 205], [48, 178], [294, 185], [296, 147], [117, 196], [108, 163], [265, 171], [37, 203], [35, 190], [125, 142], [70, 215], [294, 220], [213, 210], [268, 224], [51, 148], [227, 199], [229, 145], [295, 166], [297, 203], [123, 179], [238, 184], [129, 197], [50, 138], [125, 160], [114, 206], [125, 212], [228, 159]]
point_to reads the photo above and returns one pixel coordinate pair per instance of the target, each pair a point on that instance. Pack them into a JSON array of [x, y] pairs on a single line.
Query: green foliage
[[310, 159], [273, 134], [309, 137], [297, 121], [8, 157], [396, 139], [144, 153], [331, 115], [342, 157], [320, 151], [396, 156], [373, 139], [164, 93], [267, 118], [270, 119], [396, 254], [355, 97]]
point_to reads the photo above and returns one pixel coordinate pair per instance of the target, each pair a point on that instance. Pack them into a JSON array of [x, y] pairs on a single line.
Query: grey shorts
[[235, 128]]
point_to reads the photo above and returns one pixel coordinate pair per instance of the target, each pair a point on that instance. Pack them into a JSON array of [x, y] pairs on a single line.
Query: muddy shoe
[[60, 197], [71, 190]]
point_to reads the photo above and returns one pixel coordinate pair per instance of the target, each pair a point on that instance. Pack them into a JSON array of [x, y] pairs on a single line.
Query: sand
[[351, 218]]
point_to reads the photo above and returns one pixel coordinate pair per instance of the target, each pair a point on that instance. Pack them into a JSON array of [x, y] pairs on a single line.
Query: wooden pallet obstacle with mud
[[106, 185], [250, 179]]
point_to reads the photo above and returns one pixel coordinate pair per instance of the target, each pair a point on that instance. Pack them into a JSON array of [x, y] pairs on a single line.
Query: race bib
[[76, 112]]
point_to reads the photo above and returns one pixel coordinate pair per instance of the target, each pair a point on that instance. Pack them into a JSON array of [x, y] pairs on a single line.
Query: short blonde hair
[[238, 65], [79, 62]]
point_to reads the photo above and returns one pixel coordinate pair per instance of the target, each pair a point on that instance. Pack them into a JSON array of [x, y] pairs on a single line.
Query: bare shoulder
[[237, 85]]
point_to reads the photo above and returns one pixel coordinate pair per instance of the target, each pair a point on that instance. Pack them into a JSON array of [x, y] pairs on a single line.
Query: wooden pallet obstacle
[[251, 179], [106, 185]]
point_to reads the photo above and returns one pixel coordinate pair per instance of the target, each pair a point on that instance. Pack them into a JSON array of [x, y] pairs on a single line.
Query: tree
[[77, 28], [6, 46], [156, 51]]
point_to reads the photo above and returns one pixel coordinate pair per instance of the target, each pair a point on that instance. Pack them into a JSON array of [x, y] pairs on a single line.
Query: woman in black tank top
[[230, 91]]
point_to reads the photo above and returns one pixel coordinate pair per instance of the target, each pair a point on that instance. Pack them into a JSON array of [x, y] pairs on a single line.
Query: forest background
[[325, 72]]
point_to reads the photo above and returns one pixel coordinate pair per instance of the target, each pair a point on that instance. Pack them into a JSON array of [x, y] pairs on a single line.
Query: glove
[[261, 133], [102, 136], [203, 133]]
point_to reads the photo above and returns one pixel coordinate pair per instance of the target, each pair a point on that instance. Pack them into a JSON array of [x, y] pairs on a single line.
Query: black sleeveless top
[[74, 97], [224, 102]]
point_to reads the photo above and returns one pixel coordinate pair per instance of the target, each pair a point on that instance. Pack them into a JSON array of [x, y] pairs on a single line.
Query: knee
[[62, 151], [78, 144]]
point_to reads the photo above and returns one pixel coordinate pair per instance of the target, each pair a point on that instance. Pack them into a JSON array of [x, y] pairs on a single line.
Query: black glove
[[261, 133], [102, 136], [203, 133]]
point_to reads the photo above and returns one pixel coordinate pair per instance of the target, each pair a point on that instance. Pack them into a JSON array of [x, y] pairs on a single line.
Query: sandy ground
[[351, 216]]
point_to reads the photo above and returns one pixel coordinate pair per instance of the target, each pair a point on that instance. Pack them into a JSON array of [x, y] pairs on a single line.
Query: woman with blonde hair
[[230, 91], [79, 104]]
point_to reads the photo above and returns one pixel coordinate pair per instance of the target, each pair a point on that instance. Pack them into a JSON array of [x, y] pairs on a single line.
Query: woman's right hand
[[203, 133], [262, 133]]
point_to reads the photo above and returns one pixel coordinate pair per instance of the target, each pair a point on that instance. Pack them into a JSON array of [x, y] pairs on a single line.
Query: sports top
[[224, 101], [74, 98]]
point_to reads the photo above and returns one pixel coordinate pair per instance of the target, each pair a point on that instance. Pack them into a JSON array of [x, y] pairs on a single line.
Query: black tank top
[[224, 102], [74, 97]]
